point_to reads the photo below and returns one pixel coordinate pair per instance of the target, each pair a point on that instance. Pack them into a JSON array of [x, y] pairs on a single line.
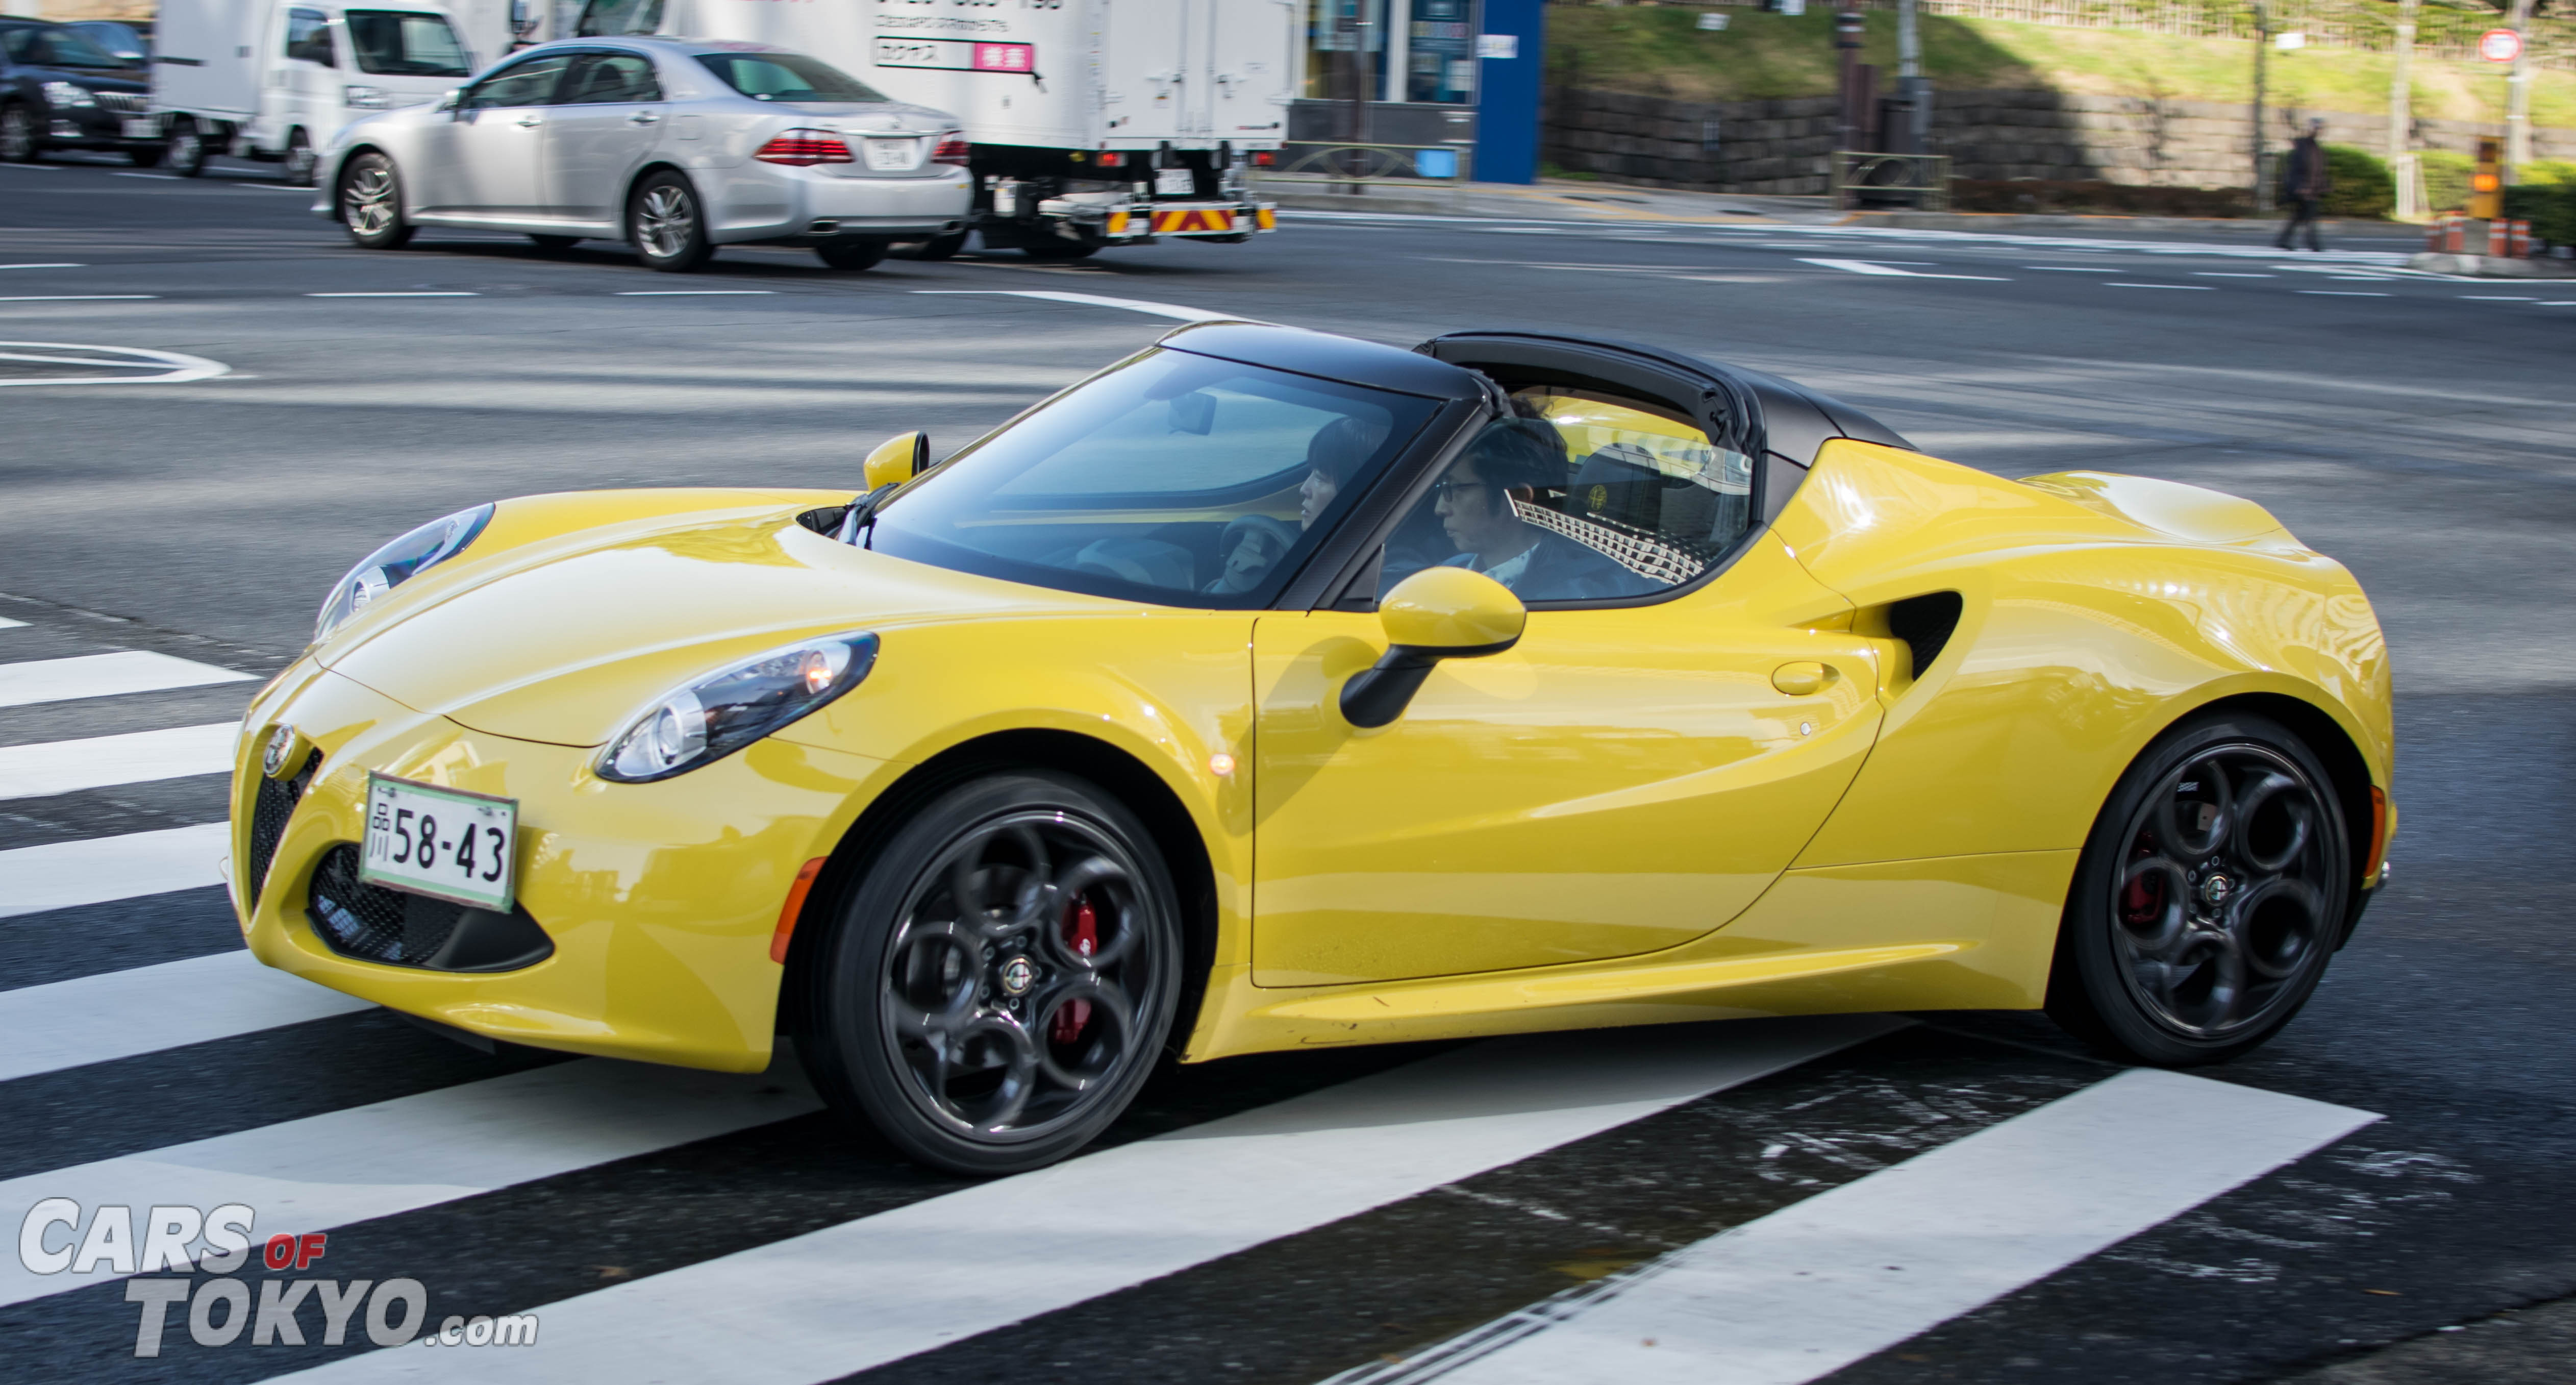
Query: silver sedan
[[675, 146]]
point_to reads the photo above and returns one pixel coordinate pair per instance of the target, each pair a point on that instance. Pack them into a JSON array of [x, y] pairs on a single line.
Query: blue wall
[[1507, 97]]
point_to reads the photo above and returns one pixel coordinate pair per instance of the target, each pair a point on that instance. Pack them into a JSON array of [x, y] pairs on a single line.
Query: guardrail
[[1918, 182], [1357, 167]]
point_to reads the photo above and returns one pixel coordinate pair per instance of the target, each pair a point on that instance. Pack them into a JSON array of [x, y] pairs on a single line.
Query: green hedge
[[2549, 207], [2362, 186], [2446, 179]]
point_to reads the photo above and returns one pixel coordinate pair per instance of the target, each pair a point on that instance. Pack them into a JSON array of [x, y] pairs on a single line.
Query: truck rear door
[[1148, 78]]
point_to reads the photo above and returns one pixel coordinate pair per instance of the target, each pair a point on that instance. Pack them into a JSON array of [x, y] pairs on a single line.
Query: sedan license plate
[[143, 127], [444, 843], [1174, 182], [893, 155]]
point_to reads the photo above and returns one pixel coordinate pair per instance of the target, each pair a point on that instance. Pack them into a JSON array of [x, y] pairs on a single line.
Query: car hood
[[569, 641], [95, 78]]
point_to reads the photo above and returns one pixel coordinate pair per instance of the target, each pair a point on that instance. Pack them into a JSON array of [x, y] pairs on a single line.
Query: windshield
[[1171, 478], [406, 43], [787, 77], [59, 48], [619, 18]]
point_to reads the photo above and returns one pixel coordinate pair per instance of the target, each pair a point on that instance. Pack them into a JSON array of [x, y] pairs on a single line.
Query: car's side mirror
[[1435, 614], [898, 459], [452, 100]]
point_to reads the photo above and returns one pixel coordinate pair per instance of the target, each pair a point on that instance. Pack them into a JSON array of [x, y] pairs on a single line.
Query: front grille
[[123, 102], [268, 817], [375, 924]]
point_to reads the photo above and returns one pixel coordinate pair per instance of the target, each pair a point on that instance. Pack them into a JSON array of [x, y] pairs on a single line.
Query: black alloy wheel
[[666, 223], [301, 161], [940, 247], [185, 151], [554, 245], [851, 252], [370, 198], [19, 143], [997, 987], [2209, 899]]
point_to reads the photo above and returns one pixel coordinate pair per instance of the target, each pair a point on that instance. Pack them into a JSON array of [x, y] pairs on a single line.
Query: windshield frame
[[364, 59], [1422, 428]]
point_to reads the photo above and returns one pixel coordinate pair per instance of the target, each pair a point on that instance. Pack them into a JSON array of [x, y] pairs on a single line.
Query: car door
[[609, 117], [1674, 724], [490, 159], [303, 81]]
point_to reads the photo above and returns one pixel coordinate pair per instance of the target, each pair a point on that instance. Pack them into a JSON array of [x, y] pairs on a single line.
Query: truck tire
[[19, 142], [185, 153], [940, 247], [301, 161]]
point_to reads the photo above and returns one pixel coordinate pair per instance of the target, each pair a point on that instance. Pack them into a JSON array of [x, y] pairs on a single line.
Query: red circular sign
[[2500, 45]]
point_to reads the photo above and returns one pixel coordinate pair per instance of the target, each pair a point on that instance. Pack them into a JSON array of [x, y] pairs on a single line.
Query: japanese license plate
[[143, 127], [444, 843], [1174, 182], [893, 155]]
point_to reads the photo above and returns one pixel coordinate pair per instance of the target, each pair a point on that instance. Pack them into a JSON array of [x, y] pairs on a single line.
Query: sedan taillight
[[953, 149], [804, 148]]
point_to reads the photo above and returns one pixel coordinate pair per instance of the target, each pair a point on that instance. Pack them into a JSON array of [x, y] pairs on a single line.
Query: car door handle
[[532, 120], [642, 118], [1801, 679]]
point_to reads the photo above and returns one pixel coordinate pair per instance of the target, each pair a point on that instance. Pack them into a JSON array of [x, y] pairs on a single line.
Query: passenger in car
[[1333, 456], [1513, 460]]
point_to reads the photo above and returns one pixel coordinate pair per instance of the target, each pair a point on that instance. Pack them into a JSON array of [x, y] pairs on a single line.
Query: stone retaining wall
[[1782, 147]]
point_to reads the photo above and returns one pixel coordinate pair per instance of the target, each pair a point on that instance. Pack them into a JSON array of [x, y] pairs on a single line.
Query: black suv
[[60, 90]]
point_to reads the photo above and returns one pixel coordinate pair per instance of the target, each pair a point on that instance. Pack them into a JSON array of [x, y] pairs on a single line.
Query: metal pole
[[2401, 112], [1910, 83], [2517, 111], [2262, 40]]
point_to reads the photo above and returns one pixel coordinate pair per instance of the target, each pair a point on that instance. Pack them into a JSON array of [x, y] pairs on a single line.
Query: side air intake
[[1924, 623]]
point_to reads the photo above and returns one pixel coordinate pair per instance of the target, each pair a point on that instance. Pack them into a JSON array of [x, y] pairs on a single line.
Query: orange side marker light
[[795, 905]]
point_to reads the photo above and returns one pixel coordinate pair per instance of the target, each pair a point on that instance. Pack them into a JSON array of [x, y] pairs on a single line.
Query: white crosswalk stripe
[[65, 875], [119, 1014], [99, 762], [416, 1151], [8, 624], [892, 1285], [1845, 1274], [105, 675]]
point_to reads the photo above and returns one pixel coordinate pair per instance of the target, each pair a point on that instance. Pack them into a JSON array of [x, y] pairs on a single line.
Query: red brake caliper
[[1082, 933]]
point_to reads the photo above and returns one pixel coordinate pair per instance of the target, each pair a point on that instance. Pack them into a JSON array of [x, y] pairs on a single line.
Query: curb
[[2490, 266], [2019, 221]]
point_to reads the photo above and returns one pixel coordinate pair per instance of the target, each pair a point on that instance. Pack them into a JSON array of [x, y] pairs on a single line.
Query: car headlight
[[68, 94], [366, 98], [396, 563], [732, 707]]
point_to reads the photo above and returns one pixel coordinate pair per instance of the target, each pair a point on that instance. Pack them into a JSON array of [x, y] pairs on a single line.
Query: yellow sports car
[[1272, 689]]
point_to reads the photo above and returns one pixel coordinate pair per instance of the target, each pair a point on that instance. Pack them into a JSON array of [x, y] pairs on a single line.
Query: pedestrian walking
[[2305, 181]]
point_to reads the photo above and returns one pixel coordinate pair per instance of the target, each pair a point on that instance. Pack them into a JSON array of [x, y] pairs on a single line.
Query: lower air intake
[[376, 924], [268, 815]]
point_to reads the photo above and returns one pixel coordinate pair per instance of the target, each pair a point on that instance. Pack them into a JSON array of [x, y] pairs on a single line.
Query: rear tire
[[2209, 898], [185, 152], [940, 247], [851, 252], [667, 224], [301, 161], [370, 201], [19, 142], [995, 989]]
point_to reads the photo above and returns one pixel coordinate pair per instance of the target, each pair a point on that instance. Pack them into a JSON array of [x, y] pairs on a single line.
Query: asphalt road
[[2417, 428]]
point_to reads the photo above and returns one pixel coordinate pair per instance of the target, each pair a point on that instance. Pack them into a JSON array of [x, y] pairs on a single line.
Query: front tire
[[371, 206], [2209, 897], [667, 224], [19, 143], [301, 161], [996, 987], [851, 252], [185, 153]]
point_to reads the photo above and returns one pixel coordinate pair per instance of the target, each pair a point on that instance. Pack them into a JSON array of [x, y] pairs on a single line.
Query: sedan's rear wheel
[[19, 143], [2209, 899], [997, 987], [371, 203], [667, 225]]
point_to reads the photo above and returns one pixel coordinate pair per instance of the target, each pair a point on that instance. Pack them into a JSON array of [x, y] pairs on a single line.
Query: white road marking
[[2341, 293], [1133, 305], [1868, 267], [117, 1014], [2557, 303], [2070, 269], [2496, 298], [43, 266], [98, 762], [693, 293], [412, 1152], [8, 624], [75, 297], [2187, 288], [175, 367], [881, 1288], [440, 293], [1848, 1273], [104, 675], [2229, 274], [65, 875]]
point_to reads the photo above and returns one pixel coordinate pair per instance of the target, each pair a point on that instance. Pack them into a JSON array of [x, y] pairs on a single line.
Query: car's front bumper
[[660, 899], [89, 127]]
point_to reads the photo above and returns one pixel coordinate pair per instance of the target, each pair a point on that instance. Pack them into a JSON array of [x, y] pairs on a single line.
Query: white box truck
[[273, 79], [1094, 122]]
